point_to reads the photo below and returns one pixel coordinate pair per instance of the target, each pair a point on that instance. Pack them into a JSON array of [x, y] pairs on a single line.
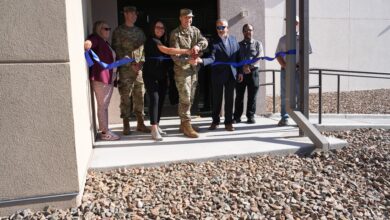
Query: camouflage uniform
[[185, 74], [129, 41]]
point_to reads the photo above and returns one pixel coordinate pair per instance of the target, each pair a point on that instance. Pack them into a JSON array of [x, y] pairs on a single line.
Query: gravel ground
[[351, 183], [362, 102]]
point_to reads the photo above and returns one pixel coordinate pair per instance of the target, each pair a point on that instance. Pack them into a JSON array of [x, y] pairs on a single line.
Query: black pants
[[252, 82], [156, 89], [217, 100]]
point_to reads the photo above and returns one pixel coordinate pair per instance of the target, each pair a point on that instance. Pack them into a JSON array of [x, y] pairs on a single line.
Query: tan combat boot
[[196, 128], [126, 126], [188, 130], [141, 125]]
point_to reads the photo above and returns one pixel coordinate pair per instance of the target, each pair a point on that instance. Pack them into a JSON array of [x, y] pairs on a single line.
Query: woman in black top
[[155, 73]]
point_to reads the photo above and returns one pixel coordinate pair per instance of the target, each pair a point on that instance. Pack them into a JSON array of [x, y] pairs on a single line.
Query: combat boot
[[188, 130], [126, 126], [141, 125], [196, 128]]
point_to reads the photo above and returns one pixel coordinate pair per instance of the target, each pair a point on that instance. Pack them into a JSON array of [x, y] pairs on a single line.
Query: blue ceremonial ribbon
[[254, 60], [95, 57], [159, 58], [123, 61]]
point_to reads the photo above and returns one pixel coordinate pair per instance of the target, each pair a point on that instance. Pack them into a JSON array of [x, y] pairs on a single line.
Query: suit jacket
[[220, 73]]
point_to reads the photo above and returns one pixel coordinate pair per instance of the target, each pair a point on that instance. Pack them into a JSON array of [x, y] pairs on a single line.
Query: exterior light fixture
[[244, 13]]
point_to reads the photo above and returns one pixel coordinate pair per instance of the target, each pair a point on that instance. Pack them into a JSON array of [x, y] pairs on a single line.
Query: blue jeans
[[283, 112]]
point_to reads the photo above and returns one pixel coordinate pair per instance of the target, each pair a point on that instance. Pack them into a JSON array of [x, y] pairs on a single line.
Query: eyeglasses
[[221, 28], [248, 30], [159, 27], [107, 29]]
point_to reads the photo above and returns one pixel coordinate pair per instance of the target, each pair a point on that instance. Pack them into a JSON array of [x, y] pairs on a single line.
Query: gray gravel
[[358, 102], [351, 183]]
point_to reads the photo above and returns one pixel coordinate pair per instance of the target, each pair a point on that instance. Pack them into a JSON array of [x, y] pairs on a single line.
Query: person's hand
[[87, 45], [240, 77], [195, 61], [195, 50], [192, 61], [188, 52], [246, 69]]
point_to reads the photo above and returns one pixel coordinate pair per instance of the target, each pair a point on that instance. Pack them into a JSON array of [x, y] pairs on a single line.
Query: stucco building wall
[[45, 118], [345, 34]]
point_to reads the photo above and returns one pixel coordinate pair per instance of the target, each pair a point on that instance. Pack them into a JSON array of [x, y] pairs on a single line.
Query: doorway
[[205, 12]]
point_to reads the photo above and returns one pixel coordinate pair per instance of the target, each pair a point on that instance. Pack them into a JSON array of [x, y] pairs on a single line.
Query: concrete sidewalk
[[339, 122], [264, 137]]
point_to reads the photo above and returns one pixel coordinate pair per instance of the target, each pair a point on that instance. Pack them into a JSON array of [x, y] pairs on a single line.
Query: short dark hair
[[247, 26], [129, 9]]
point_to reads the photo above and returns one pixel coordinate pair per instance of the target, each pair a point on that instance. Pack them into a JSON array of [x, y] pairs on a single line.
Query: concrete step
[[264, 137], [339, 122]]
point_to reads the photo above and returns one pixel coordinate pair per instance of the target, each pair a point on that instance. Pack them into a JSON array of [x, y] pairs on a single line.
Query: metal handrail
[[329, 72], [335, 72], [273, 87], [349, 71]]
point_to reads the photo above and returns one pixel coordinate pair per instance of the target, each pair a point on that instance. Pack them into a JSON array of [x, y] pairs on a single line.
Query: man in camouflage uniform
[[128, 40], [186, 37]]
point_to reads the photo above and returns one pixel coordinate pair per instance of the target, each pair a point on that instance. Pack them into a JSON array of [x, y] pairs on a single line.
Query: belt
[[296, 67]]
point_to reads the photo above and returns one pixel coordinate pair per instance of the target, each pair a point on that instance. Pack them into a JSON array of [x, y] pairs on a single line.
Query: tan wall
[[345, 35], [45, 118], [230, 10], [77, 23], [106, 11]]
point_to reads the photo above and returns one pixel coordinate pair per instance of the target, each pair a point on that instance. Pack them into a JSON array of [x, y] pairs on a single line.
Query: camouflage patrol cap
[[186, 12], [129, 9]]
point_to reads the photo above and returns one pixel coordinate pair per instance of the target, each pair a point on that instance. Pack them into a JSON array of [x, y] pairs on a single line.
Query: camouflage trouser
[[186, 86], [131, 85]]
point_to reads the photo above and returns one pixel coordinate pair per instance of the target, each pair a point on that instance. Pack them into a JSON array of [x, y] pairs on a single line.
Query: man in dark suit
[[224, 49]]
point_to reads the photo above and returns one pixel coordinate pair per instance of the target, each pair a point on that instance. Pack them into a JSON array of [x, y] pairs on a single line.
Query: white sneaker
[[156, 135], [161, 131], [109, 136]]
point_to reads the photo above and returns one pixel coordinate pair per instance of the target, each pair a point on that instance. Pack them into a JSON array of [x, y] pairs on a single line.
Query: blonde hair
[[97, 27], [223, 20]]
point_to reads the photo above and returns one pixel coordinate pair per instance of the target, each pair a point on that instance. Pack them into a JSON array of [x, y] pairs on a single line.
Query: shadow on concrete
[[274, 140]]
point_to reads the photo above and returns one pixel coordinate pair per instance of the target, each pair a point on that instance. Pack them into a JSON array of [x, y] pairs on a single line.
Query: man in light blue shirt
[[282, 47]]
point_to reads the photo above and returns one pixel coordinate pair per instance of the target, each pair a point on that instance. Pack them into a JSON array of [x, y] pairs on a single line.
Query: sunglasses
[[221, 28], [107, 29]]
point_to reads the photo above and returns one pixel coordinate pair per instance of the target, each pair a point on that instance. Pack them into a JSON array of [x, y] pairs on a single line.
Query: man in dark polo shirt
[[249, 77]]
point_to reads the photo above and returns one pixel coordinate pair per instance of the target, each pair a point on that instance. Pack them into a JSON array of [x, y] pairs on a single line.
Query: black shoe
[[213, 126], [251, 121], [283, 122], [236, 121]]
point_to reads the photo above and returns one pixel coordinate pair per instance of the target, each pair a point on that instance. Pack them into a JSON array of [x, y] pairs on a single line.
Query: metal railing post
[[273, 92], [338, 94], [320, 97]]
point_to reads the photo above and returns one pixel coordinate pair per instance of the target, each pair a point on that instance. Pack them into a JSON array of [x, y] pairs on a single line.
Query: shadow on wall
[[234, 20], [384, 31], [272, 3]]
